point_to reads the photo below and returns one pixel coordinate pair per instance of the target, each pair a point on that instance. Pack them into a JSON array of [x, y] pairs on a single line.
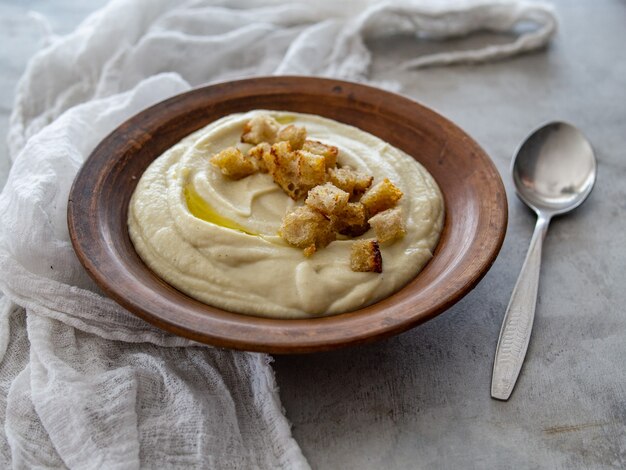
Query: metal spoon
[[554, 171]]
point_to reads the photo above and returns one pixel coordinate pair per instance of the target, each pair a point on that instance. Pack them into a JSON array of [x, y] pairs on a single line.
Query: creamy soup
[[217, 240]]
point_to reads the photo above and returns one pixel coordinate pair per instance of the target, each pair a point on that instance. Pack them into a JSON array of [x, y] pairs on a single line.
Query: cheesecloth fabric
[[83, 383]]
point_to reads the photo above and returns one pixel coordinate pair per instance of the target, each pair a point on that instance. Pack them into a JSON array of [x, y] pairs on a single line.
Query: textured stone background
[[421, 399]]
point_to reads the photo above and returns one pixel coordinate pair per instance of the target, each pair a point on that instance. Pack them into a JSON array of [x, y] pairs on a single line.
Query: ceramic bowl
[[474, 197]]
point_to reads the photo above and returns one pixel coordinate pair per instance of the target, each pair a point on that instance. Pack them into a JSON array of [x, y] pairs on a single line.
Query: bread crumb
[[309, 251]]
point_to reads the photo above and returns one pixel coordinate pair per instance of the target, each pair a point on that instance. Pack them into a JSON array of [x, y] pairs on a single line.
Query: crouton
[[327, 199], [381, 197], [329, 152], [311, 171], [295, 135], [388, 225], [261, 128], [350, 180], [257, 154], [365, 256], [283, 156], [352, 220], [233, 163], [282, 165], [307, 228], [295, 172]]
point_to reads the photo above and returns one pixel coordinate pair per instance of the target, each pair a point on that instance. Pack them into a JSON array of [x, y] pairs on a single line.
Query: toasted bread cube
[[233, 163], [381, 197], [283, 156], [295, 172], [354, 213], [295, 135], [327, 199], [311, 170], [350, 180], [257, 153], [329, 152], [365, 256], [388, 225], [261, 128], [270, 161], [362, 182], [305, 227], [352, 220], [282, 165]]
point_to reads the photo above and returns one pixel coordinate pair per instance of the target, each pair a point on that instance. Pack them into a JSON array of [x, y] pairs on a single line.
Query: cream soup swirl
[[216, 239]]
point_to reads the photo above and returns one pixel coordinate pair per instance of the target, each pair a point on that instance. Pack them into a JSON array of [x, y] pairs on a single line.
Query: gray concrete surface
[[421, 399]]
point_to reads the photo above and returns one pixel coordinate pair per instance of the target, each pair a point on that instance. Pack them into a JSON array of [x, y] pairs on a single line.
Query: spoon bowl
[[554, 171]]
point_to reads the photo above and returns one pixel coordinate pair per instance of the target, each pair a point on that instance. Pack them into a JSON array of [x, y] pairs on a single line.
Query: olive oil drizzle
[[287, 119], [200, 209]]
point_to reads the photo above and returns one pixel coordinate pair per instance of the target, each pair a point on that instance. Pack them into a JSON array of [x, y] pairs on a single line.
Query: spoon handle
[[518, 319]]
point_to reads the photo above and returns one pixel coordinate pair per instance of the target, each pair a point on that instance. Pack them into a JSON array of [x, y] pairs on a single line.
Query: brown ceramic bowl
[[475, 204]]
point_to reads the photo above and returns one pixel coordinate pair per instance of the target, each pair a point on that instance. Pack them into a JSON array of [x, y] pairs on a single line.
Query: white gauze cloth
[[83, 383]]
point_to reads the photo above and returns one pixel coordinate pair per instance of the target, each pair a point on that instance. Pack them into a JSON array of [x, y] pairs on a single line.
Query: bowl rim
[[192, 319]]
